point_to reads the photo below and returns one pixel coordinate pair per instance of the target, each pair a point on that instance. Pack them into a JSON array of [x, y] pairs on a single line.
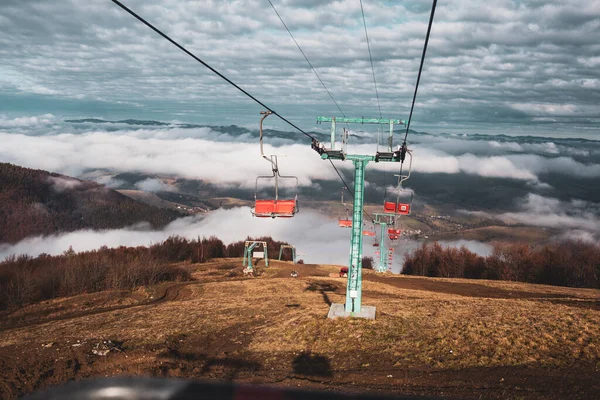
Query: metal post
[[266, 255], [383, 249], [276, 174], [391, 137], [333, 133], [354, 288]]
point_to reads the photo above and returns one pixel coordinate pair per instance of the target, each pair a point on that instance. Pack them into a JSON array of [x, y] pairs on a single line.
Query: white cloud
[[218, 162], [60, 184], [109, 181], [326, 243], [226, 159], [479, 248], [33, 121], [154, 185], [581, 235], [549, 212], [499, 167]]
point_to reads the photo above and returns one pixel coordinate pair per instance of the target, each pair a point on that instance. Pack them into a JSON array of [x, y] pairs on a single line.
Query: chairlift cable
[[417, 86], [180, 47], [420, 68], [306, 58], [370, 58], [328, 92]]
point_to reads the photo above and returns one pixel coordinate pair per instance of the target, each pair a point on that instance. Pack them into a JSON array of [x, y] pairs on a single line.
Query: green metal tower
[[249, 246], [292, 248], [353, 303], [384, 220]]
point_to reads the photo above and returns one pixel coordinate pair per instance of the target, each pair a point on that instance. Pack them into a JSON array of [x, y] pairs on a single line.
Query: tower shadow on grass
[[311, 364], [322, 288]]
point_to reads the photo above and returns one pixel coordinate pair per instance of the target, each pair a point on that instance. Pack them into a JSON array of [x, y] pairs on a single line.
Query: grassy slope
[[431, 336]]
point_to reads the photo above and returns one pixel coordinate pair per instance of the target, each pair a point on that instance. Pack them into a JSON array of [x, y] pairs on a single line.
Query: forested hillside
[[35, 202]]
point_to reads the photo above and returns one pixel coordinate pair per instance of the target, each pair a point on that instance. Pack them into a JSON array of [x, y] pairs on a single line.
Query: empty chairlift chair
[[368, 231], [344, 221], [274, 208]]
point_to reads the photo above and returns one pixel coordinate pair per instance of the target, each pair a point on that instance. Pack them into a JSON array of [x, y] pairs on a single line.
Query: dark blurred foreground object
[[138, 388]]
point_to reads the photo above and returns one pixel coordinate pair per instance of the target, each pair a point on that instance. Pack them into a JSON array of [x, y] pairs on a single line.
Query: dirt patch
[[459, 288], [580, 303], [284, 270]]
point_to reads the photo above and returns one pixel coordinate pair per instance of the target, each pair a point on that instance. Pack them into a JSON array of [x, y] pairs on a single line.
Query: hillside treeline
[[570, 263], [24, 279], [35, 202]]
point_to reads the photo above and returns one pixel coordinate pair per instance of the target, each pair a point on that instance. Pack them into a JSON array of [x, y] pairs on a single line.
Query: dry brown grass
[[268, 316], [417, 327]]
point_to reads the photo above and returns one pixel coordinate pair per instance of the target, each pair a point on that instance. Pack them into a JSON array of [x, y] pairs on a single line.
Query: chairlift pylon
[[273, 208]]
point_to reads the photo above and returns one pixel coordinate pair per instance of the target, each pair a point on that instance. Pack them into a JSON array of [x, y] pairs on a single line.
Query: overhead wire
[[416, 87], [176, 44], [306, 58], [379, 132], [370, 58], [420, 67], [180, 47], [346, 187]]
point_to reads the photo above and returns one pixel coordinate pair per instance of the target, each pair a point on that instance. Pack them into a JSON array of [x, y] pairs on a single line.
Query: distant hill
[[36, 202]]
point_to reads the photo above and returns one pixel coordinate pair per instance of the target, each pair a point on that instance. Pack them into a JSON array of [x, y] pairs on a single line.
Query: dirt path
[[458, 288], [167, 292]]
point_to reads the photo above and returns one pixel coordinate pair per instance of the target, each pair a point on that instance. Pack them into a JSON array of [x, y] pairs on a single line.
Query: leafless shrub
[[571, 263]]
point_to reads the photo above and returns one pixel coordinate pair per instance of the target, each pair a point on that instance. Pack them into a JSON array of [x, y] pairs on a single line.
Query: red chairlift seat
[[368, 233], [394, 233], [345, 223], [403, 209], [275, 208], [390, 207]]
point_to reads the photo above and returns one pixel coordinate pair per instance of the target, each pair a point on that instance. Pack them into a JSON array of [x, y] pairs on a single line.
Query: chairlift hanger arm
[[264, 114], [402, 178]]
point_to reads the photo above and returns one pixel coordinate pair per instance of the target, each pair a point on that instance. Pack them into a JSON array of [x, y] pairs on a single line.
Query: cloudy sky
[[516, 67]]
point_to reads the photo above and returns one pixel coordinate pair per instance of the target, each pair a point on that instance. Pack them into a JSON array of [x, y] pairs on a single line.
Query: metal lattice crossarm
[[361, 120], [390, 155]]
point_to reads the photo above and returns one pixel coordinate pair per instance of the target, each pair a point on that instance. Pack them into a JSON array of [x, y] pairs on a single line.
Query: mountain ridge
[[36, 202]]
